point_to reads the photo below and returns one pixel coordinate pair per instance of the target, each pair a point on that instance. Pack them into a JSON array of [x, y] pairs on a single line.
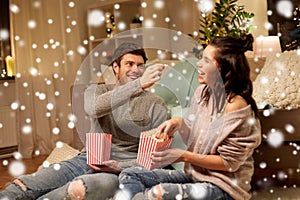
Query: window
[[6, 61]]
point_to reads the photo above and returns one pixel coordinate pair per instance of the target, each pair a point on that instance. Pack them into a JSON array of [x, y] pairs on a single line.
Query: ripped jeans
[[52, 183], [140, 183]]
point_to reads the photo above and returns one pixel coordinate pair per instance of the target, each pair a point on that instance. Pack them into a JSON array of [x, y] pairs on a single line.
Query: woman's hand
[[111, 166], [169, 127], [166, 157]]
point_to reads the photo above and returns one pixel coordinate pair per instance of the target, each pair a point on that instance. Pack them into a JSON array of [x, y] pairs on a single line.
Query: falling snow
[[16, 168], [275, 138]]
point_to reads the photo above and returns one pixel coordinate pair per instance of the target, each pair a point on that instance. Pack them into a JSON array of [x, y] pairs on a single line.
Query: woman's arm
[[212, 162], [169, 156]]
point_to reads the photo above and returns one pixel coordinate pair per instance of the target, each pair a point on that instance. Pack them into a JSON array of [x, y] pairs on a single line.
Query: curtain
[[45, 41]]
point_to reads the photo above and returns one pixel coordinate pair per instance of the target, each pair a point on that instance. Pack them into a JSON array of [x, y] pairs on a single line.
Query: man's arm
[[98, 102]]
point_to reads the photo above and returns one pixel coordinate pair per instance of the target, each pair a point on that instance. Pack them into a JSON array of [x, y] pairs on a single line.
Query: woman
[[221, 131]]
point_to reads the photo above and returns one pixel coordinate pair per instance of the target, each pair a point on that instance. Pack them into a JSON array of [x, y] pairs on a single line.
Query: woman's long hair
[[234, 67]]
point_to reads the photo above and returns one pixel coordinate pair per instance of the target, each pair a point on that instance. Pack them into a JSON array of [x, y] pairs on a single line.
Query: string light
[[110, 24]]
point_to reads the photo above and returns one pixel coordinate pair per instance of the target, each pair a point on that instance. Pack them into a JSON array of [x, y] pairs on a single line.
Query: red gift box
[[148, 144], [98, 147]]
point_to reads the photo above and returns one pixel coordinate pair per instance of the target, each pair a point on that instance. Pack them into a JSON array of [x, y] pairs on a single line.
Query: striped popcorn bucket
[[148, 144], [98, 147]]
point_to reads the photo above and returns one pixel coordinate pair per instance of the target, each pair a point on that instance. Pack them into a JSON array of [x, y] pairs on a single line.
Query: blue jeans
[[140, 183], [49, 183]]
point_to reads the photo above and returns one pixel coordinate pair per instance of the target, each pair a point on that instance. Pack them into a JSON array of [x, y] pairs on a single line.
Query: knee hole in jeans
[[156, 192], [21, 184], [76, 190]]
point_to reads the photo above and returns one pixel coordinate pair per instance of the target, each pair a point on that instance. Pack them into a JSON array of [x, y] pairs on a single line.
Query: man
[[124, 110]]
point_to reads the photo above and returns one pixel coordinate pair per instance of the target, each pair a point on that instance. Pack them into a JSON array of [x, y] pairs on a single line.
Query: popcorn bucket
[[98, 147], [148, 144]]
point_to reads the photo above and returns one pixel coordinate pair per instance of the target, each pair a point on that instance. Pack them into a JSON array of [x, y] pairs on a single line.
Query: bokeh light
[[4, 34], [206, 6], [96, 18], [285, 8], [14, 8], [26, 129]]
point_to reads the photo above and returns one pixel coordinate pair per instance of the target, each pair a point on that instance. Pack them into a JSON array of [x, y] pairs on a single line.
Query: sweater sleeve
[[98, 102], [242, 138]]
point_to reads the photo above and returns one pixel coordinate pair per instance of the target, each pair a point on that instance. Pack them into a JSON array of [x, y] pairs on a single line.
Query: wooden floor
[[31, 166]]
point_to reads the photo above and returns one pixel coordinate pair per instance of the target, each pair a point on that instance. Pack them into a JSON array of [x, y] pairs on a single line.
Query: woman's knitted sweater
[[233, 136]]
